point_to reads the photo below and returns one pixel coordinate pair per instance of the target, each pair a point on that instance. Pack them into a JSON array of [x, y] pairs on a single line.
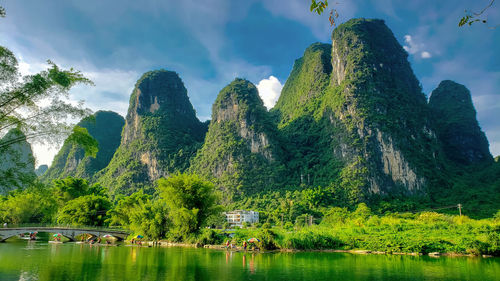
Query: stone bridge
[[68, 232]]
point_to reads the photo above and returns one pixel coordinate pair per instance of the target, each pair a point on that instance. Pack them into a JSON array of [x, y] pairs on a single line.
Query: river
[[21, 260]]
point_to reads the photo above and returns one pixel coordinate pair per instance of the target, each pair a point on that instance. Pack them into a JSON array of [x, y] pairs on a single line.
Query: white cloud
[[413, 47], [269, 91], [44, 153], [425, 55]]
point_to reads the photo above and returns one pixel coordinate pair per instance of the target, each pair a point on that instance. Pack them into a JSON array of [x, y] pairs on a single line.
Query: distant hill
[[41, 170], [106, 128], [17, 164]]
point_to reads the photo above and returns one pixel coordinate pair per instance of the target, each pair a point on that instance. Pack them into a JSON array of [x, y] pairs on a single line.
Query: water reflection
[[41, 261]]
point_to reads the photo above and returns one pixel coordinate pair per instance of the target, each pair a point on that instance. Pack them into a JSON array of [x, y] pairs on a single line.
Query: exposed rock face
[[103, 126], [160, 136], [240, 150], [382, 105], [357, 115], [17, 164], [456, 125]]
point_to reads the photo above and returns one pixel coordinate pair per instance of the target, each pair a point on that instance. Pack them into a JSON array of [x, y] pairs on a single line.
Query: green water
[[43, 261]]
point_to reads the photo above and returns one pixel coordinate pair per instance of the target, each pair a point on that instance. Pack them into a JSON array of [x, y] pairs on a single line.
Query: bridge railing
[[51, 225]]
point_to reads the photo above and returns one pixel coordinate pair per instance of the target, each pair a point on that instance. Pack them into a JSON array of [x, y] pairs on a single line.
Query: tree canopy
[[190, 201]]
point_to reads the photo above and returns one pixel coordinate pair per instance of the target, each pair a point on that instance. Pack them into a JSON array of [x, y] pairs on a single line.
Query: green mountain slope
[[160, 136], [240, 153], [357, 117], [17, 164], [103, 126], [456, 125]]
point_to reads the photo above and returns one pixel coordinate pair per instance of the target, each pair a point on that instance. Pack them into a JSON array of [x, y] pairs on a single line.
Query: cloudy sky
[[211, 42]]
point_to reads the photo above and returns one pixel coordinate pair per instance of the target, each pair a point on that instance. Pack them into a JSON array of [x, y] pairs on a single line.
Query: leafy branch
[[320, 6], [472, 17]]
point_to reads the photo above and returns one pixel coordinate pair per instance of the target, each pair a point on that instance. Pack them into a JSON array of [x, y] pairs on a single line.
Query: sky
[[211, 42]]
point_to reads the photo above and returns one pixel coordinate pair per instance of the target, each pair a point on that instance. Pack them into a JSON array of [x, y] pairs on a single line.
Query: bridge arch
[[70, 233]]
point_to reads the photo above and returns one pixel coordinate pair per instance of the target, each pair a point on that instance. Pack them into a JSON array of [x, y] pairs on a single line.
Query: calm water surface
[[43, 261]]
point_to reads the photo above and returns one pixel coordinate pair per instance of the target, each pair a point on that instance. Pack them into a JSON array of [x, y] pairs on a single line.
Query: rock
[[357, 114], [362, 252], [240, 153], [456, 124], [160, 136], [17, 164]]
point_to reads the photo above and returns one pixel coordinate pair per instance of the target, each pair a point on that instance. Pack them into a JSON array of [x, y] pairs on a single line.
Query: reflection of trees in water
[[83, 262]]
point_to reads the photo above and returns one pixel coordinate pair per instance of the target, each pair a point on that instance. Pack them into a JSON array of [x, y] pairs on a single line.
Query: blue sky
[[211, 42]]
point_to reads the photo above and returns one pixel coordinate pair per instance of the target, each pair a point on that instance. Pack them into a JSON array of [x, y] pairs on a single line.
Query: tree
[[32, 205], [22, 99], [151, 219], [85, 210], [190, 201], [122, 212], [71, 188]]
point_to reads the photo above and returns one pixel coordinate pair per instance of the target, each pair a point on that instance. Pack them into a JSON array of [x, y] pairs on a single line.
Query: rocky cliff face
[[240, 152], [456, 125], [103, 126], [382, 106], [357, 115], [160, 136], [17, 164]]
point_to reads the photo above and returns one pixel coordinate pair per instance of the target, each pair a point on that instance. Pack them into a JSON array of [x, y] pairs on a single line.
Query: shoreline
[[354, 251]]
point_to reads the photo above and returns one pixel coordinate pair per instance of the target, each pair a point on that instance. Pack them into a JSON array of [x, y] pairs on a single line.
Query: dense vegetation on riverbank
[[185, 206], [424, 232]]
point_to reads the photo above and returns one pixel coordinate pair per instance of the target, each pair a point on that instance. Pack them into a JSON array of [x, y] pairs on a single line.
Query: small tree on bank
[[190, 201]]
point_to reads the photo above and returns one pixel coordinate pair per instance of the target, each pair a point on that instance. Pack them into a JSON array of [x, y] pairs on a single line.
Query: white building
[[238, 217]]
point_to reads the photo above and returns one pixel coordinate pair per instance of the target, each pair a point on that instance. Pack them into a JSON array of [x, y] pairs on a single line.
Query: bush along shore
[[183, 206], [360, 231]]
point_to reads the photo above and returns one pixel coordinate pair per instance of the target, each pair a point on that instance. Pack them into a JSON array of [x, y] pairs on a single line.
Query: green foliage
[[240, 153], [473, 17], [82, 137], [103, 138], [85, 210], [71, 188], [190, 201], [210, 237], [150, 219], [20, 100], [318, 6], [160, 137], [407, 233], [456, 126], [125, 206], [33, 205]]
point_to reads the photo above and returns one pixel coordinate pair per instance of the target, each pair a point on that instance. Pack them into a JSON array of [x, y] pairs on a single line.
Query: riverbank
[[426, 233], [221, 247]]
